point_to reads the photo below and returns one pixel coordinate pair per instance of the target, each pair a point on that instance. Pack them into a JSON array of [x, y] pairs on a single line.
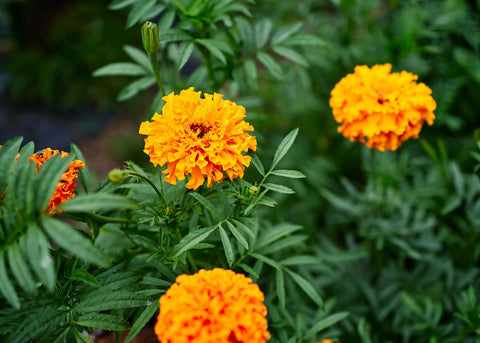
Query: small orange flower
[[327, 340], [200, 137], [66, 186], [381, 109], [214, 306]]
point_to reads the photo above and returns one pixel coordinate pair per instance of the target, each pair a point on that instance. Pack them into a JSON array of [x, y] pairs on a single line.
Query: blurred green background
[[399, 231]]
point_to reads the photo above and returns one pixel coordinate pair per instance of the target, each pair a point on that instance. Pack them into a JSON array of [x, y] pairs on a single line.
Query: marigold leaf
[[326, 322], [6, 287], [20, 269], [284, 243], [183, 53], [227, 246], [139, 11], [293, 174], [280, 287], [262, 30], [307, 288], [304, 39], [142, 320], [246, 32], [108, 300], [80, 337], [212, 48], [120, 68], [244, 228], [291, 54], [276, 232], [23, 181], [266, 260], [98, 202], [166, 20], [192, 239], [83, 174], [248, 269], [237, 235], [272, 66], [257, 163], [278, 188], [133, 88], [119, 4], [172, 35], [139, 56], [102, 321], [73, 241], [284, 146], [285, 32], [206, 203], [7, 160], [86, 277], [300, 260], [38, 252]]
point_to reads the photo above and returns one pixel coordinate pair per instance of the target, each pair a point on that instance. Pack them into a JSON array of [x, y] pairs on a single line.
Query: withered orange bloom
[[200, 137], [212, 306], [381, 109], [66, 186]]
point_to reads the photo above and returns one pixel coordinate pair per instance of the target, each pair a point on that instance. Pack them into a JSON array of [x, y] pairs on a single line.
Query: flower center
[[380, 101], [199, 129]]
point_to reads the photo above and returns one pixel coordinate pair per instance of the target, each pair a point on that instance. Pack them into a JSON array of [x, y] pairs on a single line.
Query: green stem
[[208, 65], [105, 219], [189, 257], [156, 72]]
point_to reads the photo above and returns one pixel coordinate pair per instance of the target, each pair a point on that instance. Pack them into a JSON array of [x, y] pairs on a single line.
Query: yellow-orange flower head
[[66, 186], [200, 137], [381, 109], [212, 306]]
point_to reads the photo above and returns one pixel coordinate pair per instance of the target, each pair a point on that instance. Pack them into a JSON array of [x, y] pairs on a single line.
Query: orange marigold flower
[[327, 340], [66, 186], [200, 137], [381, 109], [212, 306]]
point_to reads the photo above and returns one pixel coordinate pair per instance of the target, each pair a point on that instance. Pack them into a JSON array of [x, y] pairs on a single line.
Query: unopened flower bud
[[253, 190], [116, 176], [150, 38]]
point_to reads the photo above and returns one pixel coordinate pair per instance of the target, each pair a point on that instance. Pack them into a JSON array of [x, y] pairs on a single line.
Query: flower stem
[[156, 72]]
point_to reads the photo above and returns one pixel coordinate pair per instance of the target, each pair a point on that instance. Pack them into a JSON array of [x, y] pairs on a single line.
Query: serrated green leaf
[[285, 32], [172, 35], [7, 160], [244, 228], [212, 48], [73, 241], [272, 66], [300, 260], [102, 321], [293, 174], [276, 232], [98, 202], [227, 246], [248, 269], [326, 322], [38, 252], [136, 86], [84, 276], [166, 21], [139, 56], [307, 287], [80, 337], [246, 32], [304, 39], [23, 182], [237, 235], [6, 287], [105, 301], [291, 54], [278, 188], [257, 163], [119, 4], [262, 30], [184, 52], [142, 320], [20, 269], [139, 11], [284, 146], [48, 178], [192, 239], [120, 68], [280, 287], [266, 260], [205, 203], [284, 243]]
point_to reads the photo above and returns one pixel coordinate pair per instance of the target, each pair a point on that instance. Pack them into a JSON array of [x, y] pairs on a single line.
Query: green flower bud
[[150, 37], [253, 190], [116, 176]]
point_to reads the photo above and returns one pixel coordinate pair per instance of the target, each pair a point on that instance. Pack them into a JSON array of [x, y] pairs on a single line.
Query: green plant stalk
[[159, 193], [156, 72], [208, 65]]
